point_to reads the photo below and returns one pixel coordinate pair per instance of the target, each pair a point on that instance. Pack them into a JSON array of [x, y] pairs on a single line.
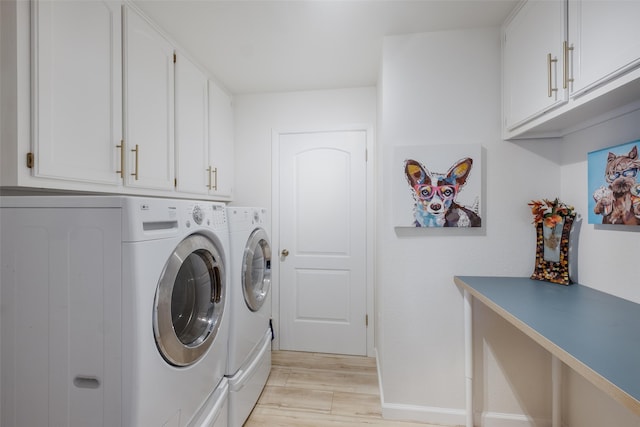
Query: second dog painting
[[437, 186], [614, 185]]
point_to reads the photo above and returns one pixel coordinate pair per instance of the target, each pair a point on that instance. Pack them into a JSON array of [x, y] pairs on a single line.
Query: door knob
[[284, 253]]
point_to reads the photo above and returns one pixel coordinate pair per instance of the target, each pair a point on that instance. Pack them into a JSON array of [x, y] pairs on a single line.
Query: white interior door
[[322, 239]]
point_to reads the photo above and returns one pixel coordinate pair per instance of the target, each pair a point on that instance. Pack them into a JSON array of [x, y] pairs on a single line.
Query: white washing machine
[[250, 332], [114, 312]]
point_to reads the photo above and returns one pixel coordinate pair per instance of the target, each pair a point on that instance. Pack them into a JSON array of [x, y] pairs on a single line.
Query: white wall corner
[[394, 411]]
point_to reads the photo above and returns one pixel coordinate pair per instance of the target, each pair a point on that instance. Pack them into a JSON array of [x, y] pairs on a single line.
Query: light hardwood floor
[[318, 390]]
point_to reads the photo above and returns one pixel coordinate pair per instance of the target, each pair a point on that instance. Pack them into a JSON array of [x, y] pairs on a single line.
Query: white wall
[[444, 88], [608, 256], [607, 261], [257, 115]]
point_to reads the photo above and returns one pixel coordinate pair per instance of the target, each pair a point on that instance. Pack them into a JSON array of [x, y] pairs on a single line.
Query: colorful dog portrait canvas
[[614, 188], [437, 186]]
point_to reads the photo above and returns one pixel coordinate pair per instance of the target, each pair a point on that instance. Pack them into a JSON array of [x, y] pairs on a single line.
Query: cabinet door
[[77, 89], [605, 37], [221, 138], [191, 127], [148, 93], [532, 61]]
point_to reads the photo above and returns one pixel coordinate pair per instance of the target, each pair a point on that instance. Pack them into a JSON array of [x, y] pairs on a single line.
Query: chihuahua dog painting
[[617, 200], [435, 195]]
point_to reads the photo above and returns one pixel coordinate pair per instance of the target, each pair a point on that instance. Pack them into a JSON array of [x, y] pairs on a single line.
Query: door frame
[[370, 216]]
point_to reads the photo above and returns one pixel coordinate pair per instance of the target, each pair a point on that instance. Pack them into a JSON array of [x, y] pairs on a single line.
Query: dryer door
[[189, 301], [256, 270]]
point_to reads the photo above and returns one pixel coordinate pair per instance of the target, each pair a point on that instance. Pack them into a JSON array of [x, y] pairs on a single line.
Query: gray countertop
[[595, 333]]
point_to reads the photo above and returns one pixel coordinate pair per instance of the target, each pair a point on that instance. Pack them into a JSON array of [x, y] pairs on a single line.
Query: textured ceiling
[[267, 45]]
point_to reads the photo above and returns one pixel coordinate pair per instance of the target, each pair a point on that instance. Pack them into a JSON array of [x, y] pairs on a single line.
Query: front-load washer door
[[189, 301], [256, 269]]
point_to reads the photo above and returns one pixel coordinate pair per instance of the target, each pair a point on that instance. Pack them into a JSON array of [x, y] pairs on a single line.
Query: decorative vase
[[552, 252]]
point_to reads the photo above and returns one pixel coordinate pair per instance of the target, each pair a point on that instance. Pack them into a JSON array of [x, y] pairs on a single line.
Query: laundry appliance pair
[[115, 312], [249, 361]]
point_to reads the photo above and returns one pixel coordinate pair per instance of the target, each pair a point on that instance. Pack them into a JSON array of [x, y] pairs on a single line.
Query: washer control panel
[[205, 214], [197, 214], [219, 215]]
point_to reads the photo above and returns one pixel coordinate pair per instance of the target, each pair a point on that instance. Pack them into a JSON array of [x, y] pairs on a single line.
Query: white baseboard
[[497, 419], [452, 416], [395, 411], [424, 414], [457, 417]]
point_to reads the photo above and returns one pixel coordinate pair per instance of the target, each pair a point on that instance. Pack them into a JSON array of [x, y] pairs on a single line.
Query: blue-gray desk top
[[595, 333]]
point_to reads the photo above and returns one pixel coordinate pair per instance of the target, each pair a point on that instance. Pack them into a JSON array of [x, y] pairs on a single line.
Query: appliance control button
[[198, 215]]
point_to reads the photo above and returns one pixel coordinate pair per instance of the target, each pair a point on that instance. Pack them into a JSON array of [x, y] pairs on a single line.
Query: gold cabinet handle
[[137, 151], [550, 87], [121, 147], [565, 79], [213, 184]]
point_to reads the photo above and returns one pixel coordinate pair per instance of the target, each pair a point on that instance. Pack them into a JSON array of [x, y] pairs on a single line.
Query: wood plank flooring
[[318, 390]]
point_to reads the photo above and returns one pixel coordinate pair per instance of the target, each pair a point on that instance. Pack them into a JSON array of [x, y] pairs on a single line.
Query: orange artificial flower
[[550, 213], [552, 220]]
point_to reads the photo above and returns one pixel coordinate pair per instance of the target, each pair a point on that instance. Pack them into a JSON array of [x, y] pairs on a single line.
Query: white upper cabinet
[[77, 90], [221, 137], [204, 134], [568, 64], [533, 61], [148, 148], [104, 104], [605, 41], [191, 121]]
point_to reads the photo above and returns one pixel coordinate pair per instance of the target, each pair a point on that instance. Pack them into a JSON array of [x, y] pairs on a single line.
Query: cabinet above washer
[[93, 87]]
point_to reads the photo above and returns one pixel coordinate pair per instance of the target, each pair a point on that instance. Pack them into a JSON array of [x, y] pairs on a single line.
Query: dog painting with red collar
[[435, 194]]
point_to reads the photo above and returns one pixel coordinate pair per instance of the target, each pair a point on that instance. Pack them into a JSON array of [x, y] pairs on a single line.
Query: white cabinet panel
[[191, 115], [596, 75], [77, 89], [533, 61], [149, 106], [221, 138], [605, 37], [61, 317]]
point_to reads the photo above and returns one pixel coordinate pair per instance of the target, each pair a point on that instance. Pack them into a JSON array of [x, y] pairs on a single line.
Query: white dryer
[[114, 312], [250, 332]]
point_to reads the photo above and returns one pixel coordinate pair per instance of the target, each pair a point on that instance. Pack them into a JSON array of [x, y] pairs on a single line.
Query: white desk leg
[[468, 355], [556, 391]]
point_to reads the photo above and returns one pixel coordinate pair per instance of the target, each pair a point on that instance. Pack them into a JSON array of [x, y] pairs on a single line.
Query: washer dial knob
[[198, 215]]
